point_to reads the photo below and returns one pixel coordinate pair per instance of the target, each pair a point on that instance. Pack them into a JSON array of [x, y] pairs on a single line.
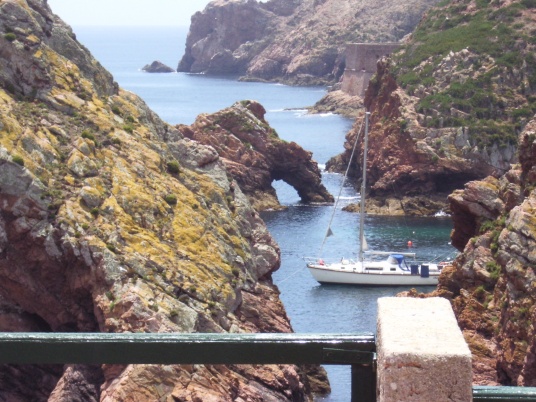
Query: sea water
[[300, 229]]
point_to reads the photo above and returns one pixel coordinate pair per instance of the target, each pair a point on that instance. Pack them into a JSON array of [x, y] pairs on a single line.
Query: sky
[[127, 12]]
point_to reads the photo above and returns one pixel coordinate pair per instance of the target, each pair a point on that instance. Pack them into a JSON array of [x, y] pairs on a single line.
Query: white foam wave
[[441, 214]]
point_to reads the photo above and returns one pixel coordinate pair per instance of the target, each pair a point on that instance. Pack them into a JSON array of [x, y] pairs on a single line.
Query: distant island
[[157, 67]]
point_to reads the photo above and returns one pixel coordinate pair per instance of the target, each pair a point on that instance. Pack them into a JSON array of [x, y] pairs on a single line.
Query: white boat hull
[[350, 275], [393, 271]]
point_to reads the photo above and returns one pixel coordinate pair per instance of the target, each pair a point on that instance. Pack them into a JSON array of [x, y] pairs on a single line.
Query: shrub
[[95, 212], [87, 134], [173, 167], [494, 269], [116, 110], [128, 128], [486, 226], [18, 160], [10, 36], [171, 199], [522, 112], [479, 292]]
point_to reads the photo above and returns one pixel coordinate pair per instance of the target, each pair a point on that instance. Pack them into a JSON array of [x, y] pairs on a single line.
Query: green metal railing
[[358, 351], [503, 394]]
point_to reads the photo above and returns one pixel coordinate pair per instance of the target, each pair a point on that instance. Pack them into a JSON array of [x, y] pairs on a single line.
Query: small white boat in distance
[[373, 268]]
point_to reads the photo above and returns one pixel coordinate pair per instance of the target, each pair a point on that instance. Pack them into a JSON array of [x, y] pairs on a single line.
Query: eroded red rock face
[[491, 284], [255, 156], [409, 162]]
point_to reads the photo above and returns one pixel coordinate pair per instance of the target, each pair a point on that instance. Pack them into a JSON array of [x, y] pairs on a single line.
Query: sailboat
[[374, 268]]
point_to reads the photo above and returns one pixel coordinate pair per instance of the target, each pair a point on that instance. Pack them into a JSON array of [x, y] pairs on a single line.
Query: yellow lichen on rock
[[112, 221]]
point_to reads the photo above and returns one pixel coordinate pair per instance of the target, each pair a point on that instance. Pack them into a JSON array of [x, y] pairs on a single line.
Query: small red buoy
[[410, 244]]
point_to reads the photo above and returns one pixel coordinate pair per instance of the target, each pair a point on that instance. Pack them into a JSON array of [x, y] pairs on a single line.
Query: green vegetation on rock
[[473, 67], [10, 36]]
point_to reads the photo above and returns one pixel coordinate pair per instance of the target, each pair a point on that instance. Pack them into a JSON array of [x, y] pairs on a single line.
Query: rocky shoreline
[[293, 42], [339, 102]]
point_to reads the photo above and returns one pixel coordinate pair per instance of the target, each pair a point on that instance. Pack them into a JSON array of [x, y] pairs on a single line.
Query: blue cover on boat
[[401, 261], [425, 271], [398, 257]]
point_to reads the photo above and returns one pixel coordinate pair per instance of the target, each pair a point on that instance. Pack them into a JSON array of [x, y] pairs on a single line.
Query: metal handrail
[[165, 348], [503, 394], [356, 350]]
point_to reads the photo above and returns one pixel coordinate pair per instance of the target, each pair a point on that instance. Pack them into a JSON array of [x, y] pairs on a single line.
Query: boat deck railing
[[355, 350]]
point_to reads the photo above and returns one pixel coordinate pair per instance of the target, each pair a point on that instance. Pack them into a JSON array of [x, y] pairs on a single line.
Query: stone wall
[[361, 60]]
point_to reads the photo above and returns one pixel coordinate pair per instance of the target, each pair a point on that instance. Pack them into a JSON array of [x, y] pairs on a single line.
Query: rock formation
[[491, 284], [454, 111], [255, 156], [297, 41], [447, 108], [111, 220], [404, 165], [339, 102], [157, 67]]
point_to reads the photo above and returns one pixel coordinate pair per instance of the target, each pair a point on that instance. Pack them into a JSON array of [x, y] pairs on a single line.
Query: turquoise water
[[299, 230]]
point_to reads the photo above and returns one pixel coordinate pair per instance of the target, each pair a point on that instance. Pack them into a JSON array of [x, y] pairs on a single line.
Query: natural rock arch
[[255, 156]]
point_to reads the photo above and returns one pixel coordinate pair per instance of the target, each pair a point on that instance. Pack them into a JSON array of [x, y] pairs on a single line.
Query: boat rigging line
[[329, 232]]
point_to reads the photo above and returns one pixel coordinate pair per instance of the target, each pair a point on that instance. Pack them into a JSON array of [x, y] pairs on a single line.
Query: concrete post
[[422, 355]]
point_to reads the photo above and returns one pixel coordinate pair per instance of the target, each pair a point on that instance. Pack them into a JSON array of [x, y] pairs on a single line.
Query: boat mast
[[363, 190]]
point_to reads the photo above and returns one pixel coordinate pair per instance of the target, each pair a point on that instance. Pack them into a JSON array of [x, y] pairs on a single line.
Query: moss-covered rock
[[89, 237]]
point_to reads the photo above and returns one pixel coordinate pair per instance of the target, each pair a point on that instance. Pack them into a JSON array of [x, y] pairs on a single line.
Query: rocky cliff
[[111, 221], [449, 106], [297, 41], [491, 284], [454, 112], [255, 156]]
